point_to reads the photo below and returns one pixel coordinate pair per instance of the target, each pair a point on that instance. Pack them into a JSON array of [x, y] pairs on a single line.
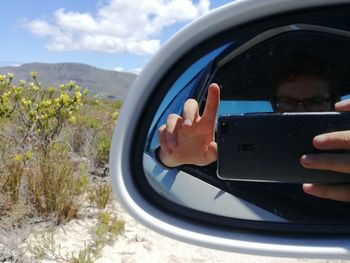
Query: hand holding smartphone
[[267, 146]]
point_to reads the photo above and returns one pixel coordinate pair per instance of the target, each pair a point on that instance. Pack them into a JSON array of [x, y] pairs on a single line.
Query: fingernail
[[307, 159], [341, 103], [307, 187], [188, 122], [320, 139]]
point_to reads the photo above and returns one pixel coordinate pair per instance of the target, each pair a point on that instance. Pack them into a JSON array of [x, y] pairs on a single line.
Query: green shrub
[[103, 146], [39, 114], [42, 130], [105, 232], [117, 105], [12, 180], [89, 122], [100, 194], [52, 185]]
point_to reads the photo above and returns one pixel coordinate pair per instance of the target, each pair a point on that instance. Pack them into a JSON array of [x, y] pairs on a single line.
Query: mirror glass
[[257, 72]]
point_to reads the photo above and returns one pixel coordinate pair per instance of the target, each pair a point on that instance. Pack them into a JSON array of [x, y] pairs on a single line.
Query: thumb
[[211, 153]]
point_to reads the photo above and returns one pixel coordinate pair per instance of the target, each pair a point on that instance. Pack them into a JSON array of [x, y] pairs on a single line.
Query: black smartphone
[[267, 147]]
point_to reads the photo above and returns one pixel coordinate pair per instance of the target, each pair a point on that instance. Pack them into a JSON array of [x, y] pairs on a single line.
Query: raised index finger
[[212, 104]]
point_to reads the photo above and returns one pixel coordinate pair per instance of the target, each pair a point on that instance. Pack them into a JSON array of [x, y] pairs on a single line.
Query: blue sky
[[110, 34]]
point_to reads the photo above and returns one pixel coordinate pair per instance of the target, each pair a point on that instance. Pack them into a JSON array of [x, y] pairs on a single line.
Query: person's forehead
[[303, 87]]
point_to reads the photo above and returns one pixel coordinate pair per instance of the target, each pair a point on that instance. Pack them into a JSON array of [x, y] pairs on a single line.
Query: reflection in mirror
[[292, 68]]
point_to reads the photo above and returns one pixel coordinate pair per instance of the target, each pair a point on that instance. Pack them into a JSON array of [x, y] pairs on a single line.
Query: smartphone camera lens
[[245, 148], [224, 128]]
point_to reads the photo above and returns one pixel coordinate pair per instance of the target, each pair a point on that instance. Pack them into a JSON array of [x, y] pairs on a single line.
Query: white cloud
[[42, 28], [143, 46], [119, 69], [9, 63], [134, 70], [75, 21], [118, 26]]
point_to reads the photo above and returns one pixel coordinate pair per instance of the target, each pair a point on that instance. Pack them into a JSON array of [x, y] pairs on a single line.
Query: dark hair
[[306, 64]]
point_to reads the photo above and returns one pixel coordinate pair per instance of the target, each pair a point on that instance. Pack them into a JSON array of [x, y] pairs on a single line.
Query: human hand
[[333, 162], [189, 139]]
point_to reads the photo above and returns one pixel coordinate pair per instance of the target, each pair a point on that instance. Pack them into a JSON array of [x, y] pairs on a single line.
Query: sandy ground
[[135, 244], [139, 244]]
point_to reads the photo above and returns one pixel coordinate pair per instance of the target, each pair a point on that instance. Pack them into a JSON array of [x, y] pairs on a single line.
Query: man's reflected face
[[303, 93]]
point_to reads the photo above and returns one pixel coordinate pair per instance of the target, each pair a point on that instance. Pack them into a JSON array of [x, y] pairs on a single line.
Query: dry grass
[[12, 180], [105, 232], [100, 194], [52, 186]]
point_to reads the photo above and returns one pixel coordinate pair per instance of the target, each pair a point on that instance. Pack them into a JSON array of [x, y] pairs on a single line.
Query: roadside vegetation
[[54, 143], [104, 233]]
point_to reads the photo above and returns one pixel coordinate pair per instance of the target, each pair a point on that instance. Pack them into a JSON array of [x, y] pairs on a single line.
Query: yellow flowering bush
[[32, 118], [46, 132], [39, 113]]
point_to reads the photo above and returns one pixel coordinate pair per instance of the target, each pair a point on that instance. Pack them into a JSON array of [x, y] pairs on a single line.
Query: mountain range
[[100, 82]]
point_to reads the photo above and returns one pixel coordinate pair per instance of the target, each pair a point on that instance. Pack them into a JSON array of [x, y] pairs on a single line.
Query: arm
[[333, 162], [189, 139]]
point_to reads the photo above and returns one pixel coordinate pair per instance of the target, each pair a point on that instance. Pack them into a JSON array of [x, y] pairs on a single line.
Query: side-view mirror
[[244, 47]]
